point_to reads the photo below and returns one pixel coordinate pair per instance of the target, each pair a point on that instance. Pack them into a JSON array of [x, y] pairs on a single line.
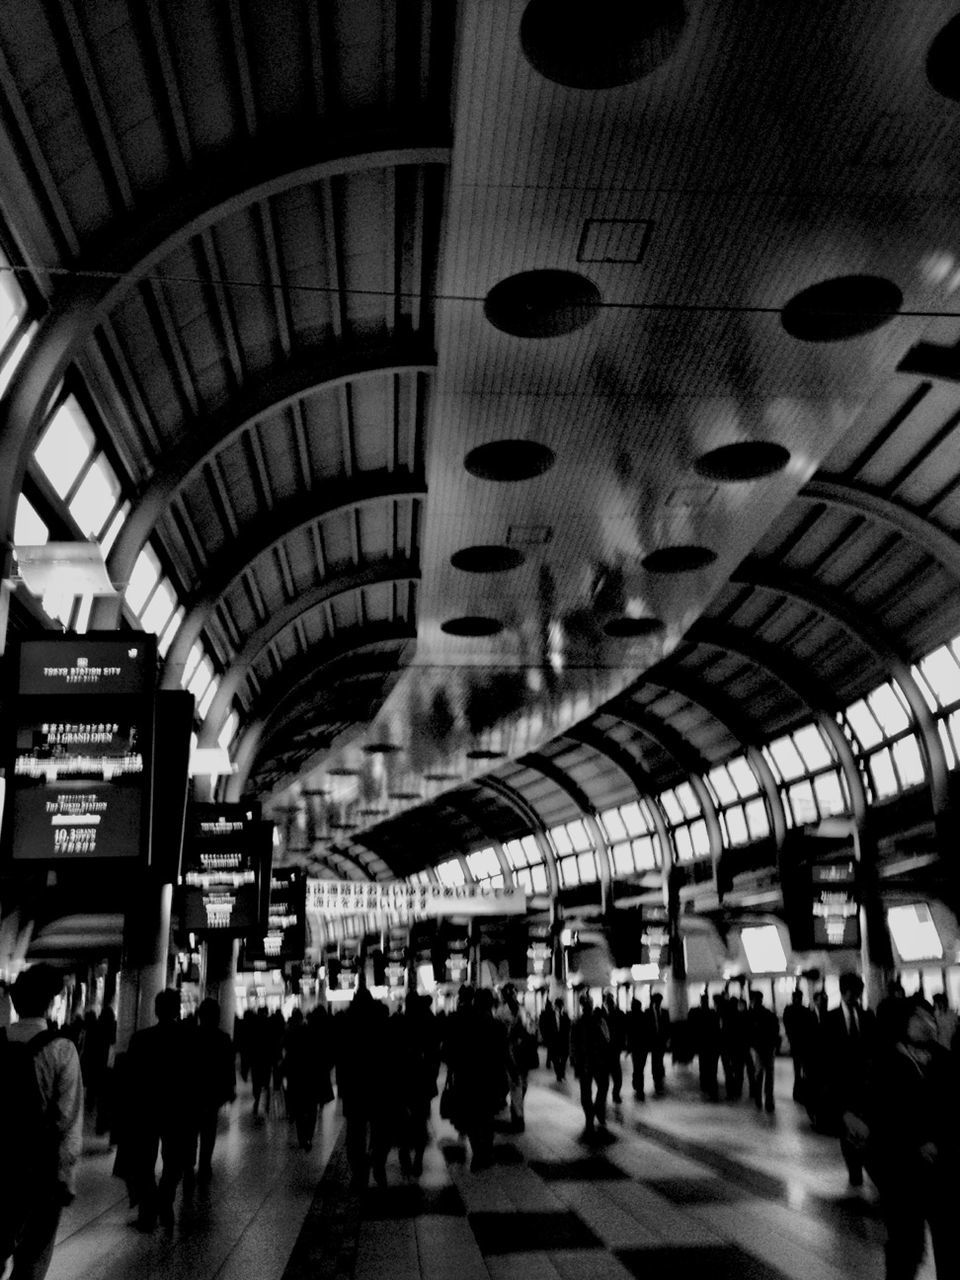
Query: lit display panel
[[219, 882], [79, 778], [286, 935]]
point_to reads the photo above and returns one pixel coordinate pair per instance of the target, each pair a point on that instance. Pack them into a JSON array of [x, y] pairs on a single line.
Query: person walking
[[799, 1023], [481, 1081], [657, 1039], [561, 1044], [214, 1083], [849, 1047], [42, 1135], [763, 1039], [590, 1057], [616, 1026]]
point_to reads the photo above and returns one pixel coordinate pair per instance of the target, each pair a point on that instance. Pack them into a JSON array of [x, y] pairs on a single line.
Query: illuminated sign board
[[835, 902], [219, 883], [346, 897], [286, 934], [79, 777]]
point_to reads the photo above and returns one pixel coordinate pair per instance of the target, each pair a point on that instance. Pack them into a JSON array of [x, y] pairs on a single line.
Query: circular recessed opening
[[748, 460], [542, 304], [472, 625], [845, 307], [680, 559], [482, 753], [380, 748], [404, 795], [507, 461], [487, 559], [342, 773], [633, 628], [601, 44], [943, 60], [441, 777]]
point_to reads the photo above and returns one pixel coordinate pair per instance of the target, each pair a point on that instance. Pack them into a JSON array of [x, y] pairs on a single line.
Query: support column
[[220, 977], [143, 974]]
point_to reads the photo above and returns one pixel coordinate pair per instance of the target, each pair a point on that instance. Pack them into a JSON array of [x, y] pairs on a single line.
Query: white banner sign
[[348, 897]]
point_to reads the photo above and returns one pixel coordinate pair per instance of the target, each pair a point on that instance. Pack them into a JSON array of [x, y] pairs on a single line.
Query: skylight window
[[515, 854], [757, 819], [687, 800], [908, 760], [623, 858], [634, 820], [191, 664], [645, 854], [942, 673], [671, 806], [532, 850], [881, 771], [561, 840], [722, 784], [864, 725], [735, 822], [28, 529], [612, 824], [587, 866], [143, 579], [450, 873], [744, 778], [65, 446], [201, 678], [809, 742], [228, 732], [172, 627], [888, 709], [203, 706], [12, 361], [829, 793], [483, 864], [116, 524], [12, 304], [787, 759], [159, 609], [96, 496]]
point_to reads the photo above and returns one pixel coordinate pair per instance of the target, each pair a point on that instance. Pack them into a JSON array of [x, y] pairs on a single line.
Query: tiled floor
[[678, 1188]]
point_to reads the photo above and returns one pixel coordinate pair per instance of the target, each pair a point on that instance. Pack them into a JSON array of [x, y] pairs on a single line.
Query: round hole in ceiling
[[746, 460], [380, 748], [489, 558], [943, 60], [633, 628], [472, 625], [542, 304], [678, 559], [600, 44], [483, 753], [844, 307], [507, 461]]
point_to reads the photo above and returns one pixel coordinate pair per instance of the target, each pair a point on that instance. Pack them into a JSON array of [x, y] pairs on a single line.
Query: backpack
[[28, 1169]]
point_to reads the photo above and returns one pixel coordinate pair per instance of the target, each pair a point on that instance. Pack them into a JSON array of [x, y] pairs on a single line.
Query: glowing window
[[190, 666], [908, 761], [531, 849], [947, 744], [744, 778], [803, 803], [722, 784], [12, 361], [450, 873], [65, 446], [496, 882], [829, 792], [523, 879], [863, 724], [203, 706], [942, 673], [587, 866], [569, 872], [688, 801], [109, 536], [226, 734], [736, 825], [202, 675], [764, 949], [160, 609], [888, 709], [914, 934], [645, 855], [578, 836], [515, 854], [172, 627], [881, 771], [483, 864], [622, 858], [634, 820], [682, 844], [787, 759], [28, 529], [145, 576], [700, 838], [757, 819], [612, 825], [96, 497], [12, 304], [809, 742], [539, 877], [561, 840], [671, 807], [923, 684]]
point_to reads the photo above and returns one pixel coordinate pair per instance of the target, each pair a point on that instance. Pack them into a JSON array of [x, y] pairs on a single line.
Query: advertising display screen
[[79, 778], [286, 934], [219, 883], [836, 902]]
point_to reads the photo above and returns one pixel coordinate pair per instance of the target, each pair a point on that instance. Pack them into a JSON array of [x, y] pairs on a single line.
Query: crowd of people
[[885, 1083]]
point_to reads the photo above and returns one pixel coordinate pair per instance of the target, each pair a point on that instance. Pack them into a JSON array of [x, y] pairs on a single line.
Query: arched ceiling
[[264, 235]]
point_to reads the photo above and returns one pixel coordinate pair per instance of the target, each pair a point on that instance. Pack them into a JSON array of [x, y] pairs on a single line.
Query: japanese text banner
[[347, 897]]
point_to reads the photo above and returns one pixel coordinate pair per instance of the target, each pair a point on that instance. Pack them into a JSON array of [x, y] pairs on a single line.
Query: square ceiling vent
[[614, 240]]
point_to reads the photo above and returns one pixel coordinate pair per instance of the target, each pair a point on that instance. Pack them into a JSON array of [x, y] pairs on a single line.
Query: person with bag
[[42, 1130]]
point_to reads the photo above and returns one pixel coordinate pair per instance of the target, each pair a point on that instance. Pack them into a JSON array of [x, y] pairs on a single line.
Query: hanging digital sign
[[836, 902], [285, 938], [79, 777], [219, 882]]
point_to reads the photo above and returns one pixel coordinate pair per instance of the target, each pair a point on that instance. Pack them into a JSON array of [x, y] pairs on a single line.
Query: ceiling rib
[[524, 810], [559, 777]]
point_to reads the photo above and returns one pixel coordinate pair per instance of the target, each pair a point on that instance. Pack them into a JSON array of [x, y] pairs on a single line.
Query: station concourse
[[480, 507]]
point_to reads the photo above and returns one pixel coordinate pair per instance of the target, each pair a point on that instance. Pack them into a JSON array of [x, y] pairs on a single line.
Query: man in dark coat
[[763, 1030], [366, 1086], [214, 1083], [590, 1055], [707, 1044], [478, 1060], [800, 1025], [849, 1046], [561, 1044], [657, 1020]]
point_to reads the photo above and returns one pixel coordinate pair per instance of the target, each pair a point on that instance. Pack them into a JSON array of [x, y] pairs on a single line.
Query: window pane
[[166, 640], [942, 673], [203, 706], [561, 840], [226, 734], [671, 807], [787, 758], [12, 361], [757, 820], [699, 837], [722, 785], [644, 854], [829, 793], [190, 666], [909, 762], [12, 304], [809, 742], [483, 863], [863, 724], [923, 684], [612, 824], [803, 803], [496, 882], [744, 778], [681, 840], [633, 819], [65, 446], [160, 609], [688, 800], [737, 832], [146, 574], [28, 529], [97, 495], [116, 524], [523, 879], [881, 771], [578, 835], [888, 709], [623, 858], [201, 678], [515, 855], [450, 872], [588, 868], [532, 850], [569, 874], [539, 877], [947, 744]]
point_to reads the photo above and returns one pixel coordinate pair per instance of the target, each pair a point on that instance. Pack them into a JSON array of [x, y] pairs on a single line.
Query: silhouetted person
[[890, 1014], [415, 1063], [261, 1051], [479, 1061], [849, 1046], [547, 1026], [800, 1025], [306, 1069], [561, 1044], [43, 1137], [214, 1083], [616, 1024], [519, 1063], [590, 1057], [362, 1082], [763, 1031], [657, 1025], [708, 1047]]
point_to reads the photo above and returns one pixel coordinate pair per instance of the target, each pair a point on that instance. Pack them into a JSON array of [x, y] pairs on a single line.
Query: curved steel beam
[[775, 578], [726, 713], [846, 495], [638, 778], [548, 768], [134, 251], [788, 673], [400, 569], [449, 800], [267, 395], [689, 759], [528, 814]]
